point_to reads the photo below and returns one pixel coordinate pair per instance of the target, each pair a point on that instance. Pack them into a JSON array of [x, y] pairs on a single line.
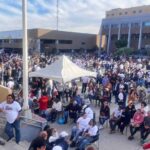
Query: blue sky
[[74, 15]]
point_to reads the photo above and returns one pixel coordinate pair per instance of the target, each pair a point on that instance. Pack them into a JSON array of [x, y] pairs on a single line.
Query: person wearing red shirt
[[146, 146], [136, 123], [43, 104]]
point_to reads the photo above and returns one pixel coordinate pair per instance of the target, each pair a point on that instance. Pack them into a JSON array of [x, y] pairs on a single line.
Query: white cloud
[[74, 15]]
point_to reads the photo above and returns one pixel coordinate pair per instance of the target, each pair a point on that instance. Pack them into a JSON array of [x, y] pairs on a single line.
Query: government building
[[130, 24], [48, 41]]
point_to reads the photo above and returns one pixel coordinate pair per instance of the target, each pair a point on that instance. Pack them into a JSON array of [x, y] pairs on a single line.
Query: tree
[[121, 43], [123, 51]]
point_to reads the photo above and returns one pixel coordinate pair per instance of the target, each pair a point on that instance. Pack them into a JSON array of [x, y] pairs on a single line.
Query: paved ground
[[106, 142]]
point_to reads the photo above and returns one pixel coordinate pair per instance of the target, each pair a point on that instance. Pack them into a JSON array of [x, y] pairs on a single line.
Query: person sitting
[[56, 109], [73, 109], [63, 141], [144, 108], [88, 135], [127, 114], [136, 123], [104, 114], [87, 109], [38, 143], [52, 135], [145, 128], [114, 120], [129, 111], [43, 104], [82, 124]]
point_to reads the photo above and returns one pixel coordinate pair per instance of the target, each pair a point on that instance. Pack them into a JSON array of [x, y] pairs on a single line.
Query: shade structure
[[62, 70]]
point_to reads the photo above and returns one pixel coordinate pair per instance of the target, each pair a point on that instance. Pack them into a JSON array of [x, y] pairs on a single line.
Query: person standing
[[11, 109]]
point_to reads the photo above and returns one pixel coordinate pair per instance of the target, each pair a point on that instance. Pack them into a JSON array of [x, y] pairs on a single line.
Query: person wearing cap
[[63, 140], [87, 109], [145, 128], [136, 123], [82, 124]]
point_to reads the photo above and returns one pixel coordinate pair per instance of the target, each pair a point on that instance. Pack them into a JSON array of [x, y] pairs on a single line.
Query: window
[[51, 41], [135, 24], [126, 13], [134, 11], [105, 26], [124, 25], [65, 41], [147, 24], [140, 11], [114, 25], [83, 43]]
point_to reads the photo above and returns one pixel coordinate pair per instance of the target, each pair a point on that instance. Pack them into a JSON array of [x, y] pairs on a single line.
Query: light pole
[[25, 59]]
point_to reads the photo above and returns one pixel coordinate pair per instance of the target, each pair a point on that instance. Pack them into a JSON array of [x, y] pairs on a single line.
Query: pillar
[[140, 36], [119, 29], [129, 35], [109, 39]]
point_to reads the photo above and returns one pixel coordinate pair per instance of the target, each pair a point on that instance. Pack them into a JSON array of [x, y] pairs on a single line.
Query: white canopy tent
[[62, 70]]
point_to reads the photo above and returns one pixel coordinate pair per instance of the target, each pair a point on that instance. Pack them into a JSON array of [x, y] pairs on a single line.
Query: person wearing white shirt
[[89, 113], [10, 83], [11, 109], [85, 81], [115, 119], [82, 124], [56, 110], [88, 136]]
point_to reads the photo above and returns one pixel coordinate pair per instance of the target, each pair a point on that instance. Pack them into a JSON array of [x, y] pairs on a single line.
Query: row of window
[[133, 36], [125, 13], [124, 25], [53, 41]]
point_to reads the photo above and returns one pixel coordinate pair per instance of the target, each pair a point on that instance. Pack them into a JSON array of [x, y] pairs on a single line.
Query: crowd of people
[[123, 81]]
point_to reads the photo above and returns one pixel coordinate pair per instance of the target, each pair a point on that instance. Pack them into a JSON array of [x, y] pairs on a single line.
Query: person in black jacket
[[73, 110], [104, 114], [126, 116], [129, 111]]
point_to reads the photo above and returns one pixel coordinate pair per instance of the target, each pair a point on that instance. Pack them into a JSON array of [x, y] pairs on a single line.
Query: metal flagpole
[[25, 58]]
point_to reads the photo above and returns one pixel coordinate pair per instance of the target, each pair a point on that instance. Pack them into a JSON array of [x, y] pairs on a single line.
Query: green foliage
[[123, 51], [121, 43]]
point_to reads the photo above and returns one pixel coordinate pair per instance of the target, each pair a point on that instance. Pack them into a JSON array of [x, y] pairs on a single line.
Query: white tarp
[[62, 70]]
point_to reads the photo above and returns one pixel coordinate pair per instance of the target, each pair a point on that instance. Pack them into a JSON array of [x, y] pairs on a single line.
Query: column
[[25, 54], [129, 35], [140, 35], [119, 29], [109, 39], [100, 36]]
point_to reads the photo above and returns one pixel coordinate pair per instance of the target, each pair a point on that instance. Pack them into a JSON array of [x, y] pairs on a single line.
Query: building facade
[[44, 40], [130, 24]]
